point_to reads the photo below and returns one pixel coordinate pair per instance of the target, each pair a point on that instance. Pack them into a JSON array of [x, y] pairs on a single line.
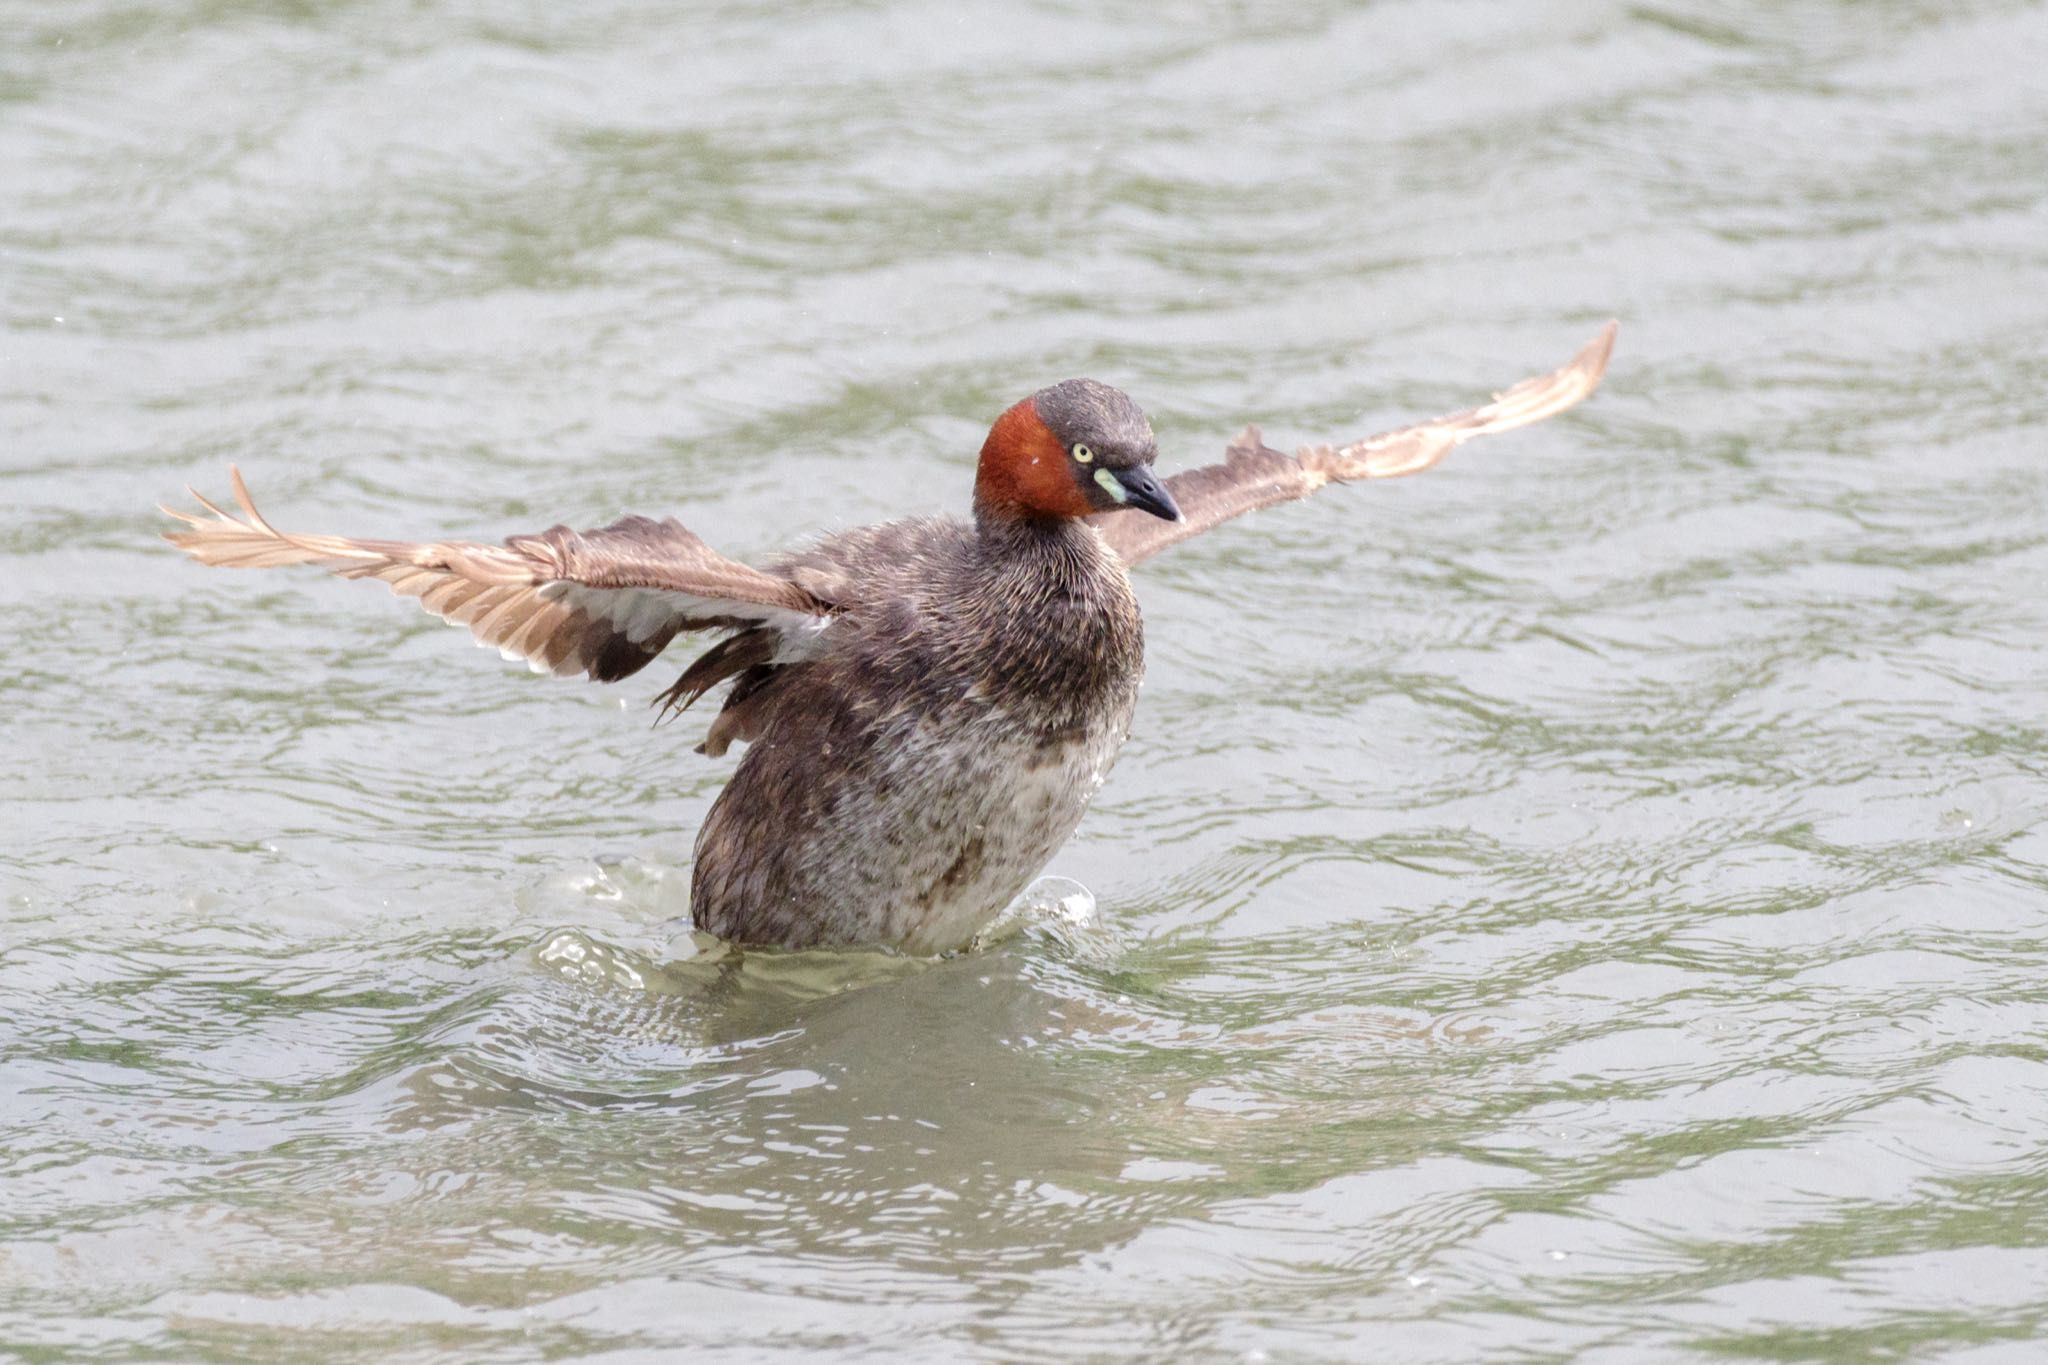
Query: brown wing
[[1253, 475], [601, 603]]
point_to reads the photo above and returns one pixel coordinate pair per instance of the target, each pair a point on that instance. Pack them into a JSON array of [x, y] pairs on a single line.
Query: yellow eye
[[1084, 454]]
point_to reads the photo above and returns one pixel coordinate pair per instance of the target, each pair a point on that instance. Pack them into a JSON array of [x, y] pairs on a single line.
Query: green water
[[1589, 901]]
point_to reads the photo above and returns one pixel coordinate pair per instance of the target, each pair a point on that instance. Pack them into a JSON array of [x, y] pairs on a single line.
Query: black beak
[[1145, 492]]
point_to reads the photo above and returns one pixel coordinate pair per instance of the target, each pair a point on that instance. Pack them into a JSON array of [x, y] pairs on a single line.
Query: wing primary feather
[[1253, 475], [601, 603]]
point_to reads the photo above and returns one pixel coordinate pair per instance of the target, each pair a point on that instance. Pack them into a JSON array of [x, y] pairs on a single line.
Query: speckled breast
[[993, 803]]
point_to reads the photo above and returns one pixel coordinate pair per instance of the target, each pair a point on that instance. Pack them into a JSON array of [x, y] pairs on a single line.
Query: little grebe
[[929, 704]]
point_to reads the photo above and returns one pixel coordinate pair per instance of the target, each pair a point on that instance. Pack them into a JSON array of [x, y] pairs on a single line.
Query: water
[[1588, 901]]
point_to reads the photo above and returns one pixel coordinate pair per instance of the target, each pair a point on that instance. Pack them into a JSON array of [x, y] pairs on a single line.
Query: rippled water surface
[[1588, 901]]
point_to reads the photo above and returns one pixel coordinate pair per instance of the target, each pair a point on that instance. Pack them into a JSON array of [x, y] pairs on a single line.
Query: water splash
[[575, 956], [1057, 910]]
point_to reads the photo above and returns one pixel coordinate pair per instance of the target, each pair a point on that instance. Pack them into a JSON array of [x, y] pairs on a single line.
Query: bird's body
[[904, 785], [929, 705]]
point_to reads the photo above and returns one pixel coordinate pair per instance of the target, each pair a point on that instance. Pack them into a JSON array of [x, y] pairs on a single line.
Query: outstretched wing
[[602, 603], [1253, 475]]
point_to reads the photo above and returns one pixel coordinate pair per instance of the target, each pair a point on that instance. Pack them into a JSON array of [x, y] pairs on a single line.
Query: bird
[[928, 705]]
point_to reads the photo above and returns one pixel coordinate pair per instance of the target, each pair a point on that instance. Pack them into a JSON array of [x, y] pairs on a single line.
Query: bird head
[[1071, 450]]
